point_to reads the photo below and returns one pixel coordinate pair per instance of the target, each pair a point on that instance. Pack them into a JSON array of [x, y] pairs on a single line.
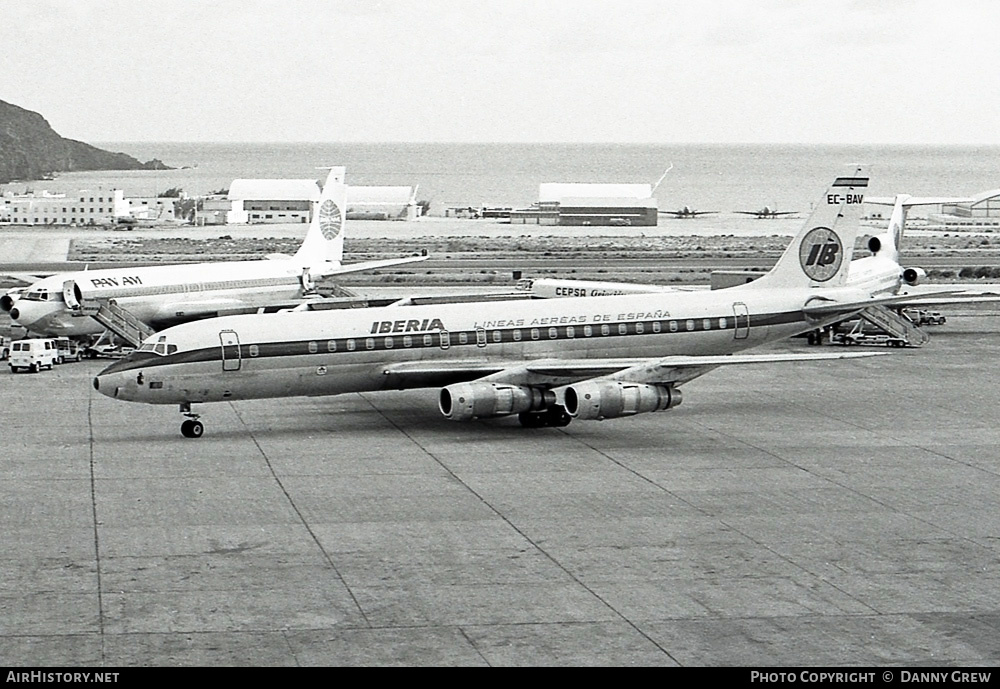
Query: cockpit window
[[42, 295], [161, 348]]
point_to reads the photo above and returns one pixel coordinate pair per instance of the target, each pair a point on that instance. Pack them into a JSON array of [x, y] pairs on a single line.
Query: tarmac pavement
[[822, 513]]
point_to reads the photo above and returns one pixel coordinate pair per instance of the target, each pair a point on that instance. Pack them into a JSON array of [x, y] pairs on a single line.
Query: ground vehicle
[[924, 317], [107, 351], [67, 349], [859, 337], [33, 354]]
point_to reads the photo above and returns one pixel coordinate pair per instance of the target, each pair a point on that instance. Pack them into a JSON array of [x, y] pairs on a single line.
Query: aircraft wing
[[26, 278], [553, 373], [340, 269], [822, 307], [935, 295]]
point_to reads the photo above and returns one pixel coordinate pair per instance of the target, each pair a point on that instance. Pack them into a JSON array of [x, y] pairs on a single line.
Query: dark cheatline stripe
[[450, 340], [851, 182]]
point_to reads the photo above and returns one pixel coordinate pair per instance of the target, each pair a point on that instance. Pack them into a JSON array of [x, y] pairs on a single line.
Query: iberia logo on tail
[[820, 254]]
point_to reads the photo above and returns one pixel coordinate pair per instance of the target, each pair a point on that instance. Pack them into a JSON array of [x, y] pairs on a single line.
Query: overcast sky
[[643, 71]]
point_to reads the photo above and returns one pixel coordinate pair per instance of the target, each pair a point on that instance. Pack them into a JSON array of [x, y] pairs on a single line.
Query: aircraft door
[[742, 315], [69, 294], [231, 358], [306, 281]]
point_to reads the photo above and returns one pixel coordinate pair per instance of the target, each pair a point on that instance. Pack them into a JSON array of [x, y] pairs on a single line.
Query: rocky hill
[[30, 149]]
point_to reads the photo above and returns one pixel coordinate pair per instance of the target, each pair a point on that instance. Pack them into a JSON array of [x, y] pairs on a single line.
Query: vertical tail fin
[[820, 254], [324, 242]]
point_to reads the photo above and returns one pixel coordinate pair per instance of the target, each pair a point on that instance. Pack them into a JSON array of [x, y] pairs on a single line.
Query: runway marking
[[295, 508], [97, 533], [521, 533]]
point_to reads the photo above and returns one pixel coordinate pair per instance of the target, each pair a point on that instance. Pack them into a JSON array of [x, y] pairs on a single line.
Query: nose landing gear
[[192, 427]]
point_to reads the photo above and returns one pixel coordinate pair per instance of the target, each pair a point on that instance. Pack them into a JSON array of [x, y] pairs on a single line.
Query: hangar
[[271, 200], [381, 203], [292, 201], [561, 203], [981, 209]]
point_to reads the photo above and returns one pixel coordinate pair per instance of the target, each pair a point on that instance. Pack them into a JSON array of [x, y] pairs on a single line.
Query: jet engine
[[608, 399], [912, 276], [7, 301], [875, 244], [464, 401]]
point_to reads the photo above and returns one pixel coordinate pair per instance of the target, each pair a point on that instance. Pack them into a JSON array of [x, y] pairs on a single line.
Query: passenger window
[[553, 333], [517, 335], [331, 346], [254, 350], [587, 331], [673, 326], [722, 324], [388, 343], [690, 324], [640, 328], [656, 326], [313, 347], [497, 336], [707, 324], [622, 329], [463, 338], [570, 331], [428, 341], [605, 329], [370, 342], [534, 334], [407, 341], [351, 345]]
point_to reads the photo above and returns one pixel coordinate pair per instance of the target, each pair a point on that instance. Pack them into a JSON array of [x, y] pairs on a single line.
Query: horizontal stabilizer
[[339, 269], [916, 200]]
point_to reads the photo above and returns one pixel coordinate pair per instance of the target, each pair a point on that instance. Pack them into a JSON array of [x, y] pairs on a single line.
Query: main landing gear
[[192, 428], [553, 417]]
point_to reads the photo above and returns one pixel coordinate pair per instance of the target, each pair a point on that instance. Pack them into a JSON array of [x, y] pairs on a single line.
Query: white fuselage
[[157, 295], [324, 353]]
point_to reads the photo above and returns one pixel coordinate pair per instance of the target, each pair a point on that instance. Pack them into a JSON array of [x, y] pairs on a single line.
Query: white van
[[32, 354]]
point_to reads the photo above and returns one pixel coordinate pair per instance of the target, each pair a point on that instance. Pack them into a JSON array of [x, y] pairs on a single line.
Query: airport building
[[981, 210], [152, 208], [84, 207], [591, 204], [381, 203], [266, 201], [293, 201]]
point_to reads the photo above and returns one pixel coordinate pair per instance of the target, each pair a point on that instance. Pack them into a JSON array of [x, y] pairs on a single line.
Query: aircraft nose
[[106, 387]]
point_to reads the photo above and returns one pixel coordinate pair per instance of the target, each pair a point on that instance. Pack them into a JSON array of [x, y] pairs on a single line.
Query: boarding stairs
[[895, 325], [118, 320]]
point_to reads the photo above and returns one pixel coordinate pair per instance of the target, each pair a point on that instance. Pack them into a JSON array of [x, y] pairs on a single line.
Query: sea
[[709, 177]]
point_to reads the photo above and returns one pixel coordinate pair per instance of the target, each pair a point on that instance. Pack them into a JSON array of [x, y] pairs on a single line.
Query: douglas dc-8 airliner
[[548, 361], [161, 296]]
